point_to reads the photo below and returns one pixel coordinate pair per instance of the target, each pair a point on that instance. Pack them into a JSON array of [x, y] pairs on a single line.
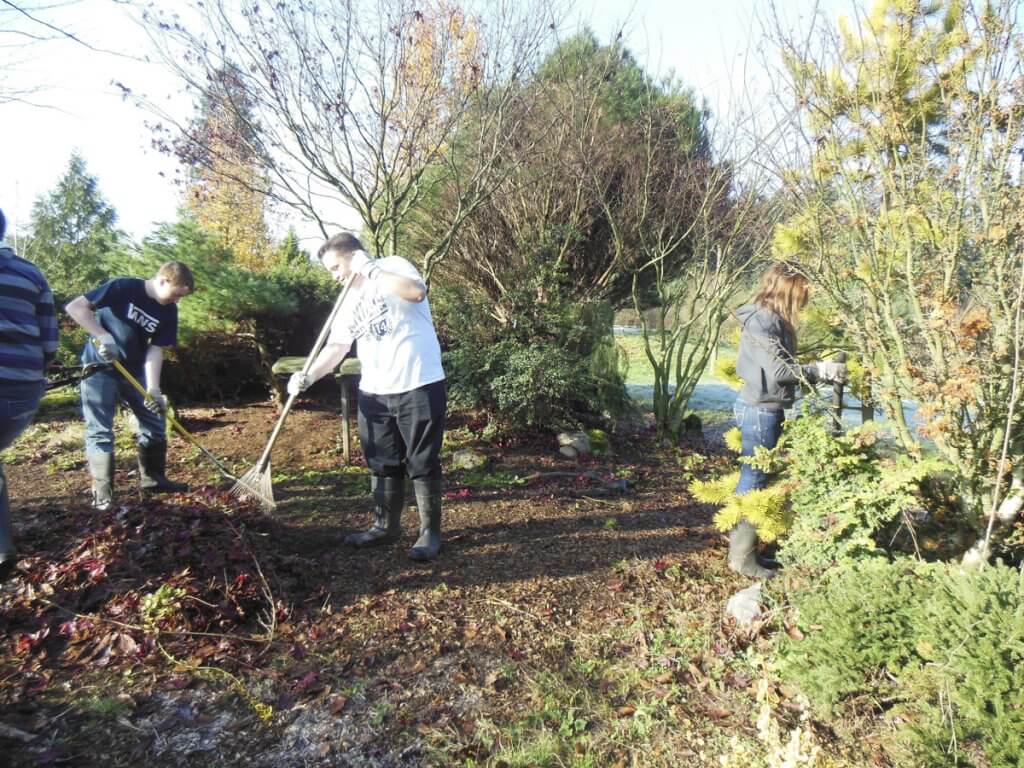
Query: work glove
[[106, 348], [156, 401], [830, 370], [362, 264], [299, 382]]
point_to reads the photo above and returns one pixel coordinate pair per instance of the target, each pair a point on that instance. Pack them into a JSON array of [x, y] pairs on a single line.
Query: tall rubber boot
[[101, 468], [743, 552], [8, 554], [428, 502], [389, 500], [152, 469]]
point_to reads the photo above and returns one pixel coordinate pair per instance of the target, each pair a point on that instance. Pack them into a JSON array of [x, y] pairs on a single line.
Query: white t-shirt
[[398, 348]]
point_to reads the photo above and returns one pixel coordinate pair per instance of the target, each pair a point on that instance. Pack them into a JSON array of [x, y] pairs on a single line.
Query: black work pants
[[402, 433]]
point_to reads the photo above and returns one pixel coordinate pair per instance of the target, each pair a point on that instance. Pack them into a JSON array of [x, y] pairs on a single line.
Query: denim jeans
[[759, 426], [101, 393], [16, 413]]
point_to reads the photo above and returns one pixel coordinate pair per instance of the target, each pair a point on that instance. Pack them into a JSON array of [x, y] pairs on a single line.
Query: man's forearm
[[154, 365], [82, 313], [401, 286], [327, 360]]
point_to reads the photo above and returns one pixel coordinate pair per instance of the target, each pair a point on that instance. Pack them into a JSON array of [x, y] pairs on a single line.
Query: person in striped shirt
[[28, 344]]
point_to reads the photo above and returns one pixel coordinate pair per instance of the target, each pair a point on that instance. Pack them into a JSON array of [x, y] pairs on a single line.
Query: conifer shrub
[[938, 652], [531, 364], [845, 490]]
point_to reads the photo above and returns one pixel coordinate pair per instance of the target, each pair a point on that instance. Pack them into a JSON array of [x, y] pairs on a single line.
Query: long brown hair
[[784, 290]]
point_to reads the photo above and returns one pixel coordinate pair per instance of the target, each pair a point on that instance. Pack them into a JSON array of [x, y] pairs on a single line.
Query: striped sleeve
[[28, 321], [46, 316]]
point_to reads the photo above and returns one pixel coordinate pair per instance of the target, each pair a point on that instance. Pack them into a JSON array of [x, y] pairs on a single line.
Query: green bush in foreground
[[940, 651]]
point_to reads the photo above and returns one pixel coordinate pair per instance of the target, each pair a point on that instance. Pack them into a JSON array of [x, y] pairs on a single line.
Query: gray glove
[[157, 401], [107, 348], [830, 370], [299, 382]]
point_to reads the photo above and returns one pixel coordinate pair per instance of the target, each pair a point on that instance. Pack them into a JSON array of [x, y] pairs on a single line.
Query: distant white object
[[745, 605], [579, 442]]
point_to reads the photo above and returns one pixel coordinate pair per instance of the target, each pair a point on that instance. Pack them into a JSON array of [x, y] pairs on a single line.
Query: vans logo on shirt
[[147, 322]]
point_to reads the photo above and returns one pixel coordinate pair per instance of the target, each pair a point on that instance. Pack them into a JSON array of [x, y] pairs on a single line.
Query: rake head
[[256, 484]]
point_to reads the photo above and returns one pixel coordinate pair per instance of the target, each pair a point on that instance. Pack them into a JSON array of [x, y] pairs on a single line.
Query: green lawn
[[640, 371]]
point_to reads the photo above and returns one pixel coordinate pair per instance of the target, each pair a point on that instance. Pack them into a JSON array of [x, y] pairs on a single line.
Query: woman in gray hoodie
[[767, 364]]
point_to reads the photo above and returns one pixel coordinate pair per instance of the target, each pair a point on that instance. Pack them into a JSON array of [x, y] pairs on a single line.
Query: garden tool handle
[[837, 397], [173, 421], [310, 359]]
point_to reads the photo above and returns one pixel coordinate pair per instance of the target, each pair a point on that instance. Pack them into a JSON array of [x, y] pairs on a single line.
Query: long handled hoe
[[174, 422], [257, 483]]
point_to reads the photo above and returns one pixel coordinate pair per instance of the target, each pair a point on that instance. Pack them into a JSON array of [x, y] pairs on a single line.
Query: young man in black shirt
[[131, 320]]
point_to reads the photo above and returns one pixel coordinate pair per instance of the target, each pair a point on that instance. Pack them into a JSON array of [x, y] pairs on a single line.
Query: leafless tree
[[374, 104]]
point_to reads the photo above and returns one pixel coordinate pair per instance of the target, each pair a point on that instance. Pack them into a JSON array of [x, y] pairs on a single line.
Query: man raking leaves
[[402, 397], [131, 321]]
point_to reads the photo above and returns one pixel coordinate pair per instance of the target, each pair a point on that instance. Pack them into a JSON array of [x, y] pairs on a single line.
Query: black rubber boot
[[428, 502], [101, 468], [388, 499], [8, 554], [153, 468], [743, 552]]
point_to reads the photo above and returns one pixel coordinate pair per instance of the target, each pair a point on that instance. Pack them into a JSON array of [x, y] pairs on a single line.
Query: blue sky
[[77, 107]]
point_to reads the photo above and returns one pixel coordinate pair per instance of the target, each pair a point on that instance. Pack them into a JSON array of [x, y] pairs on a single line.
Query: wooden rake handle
[[261, 465]]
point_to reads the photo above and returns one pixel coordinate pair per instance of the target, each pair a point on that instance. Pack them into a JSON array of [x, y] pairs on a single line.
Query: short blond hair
[[178, 275]]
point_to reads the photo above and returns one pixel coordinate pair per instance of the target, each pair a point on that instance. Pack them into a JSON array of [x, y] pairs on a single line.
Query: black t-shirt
[[135, 320]]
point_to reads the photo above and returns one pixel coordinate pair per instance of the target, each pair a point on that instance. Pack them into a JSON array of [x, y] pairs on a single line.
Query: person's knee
[[429, 467], [99, 443], [382, 469]]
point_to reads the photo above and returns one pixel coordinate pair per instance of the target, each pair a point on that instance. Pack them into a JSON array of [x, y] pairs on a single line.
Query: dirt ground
[[573, 618]]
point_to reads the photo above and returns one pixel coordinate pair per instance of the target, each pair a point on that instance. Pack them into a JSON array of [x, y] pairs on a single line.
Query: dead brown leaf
[[337, 704]]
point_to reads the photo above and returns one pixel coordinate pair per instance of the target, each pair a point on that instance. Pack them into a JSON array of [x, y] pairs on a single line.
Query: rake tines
[[256, 484]]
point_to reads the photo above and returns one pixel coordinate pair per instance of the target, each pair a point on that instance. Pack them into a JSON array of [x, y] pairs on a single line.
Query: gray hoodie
[[766, 360]]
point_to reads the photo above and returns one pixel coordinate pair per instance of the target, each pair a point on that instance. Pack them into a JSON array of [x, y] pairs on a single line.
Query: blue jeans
[[759, 426], [16, 412], [101, 393]]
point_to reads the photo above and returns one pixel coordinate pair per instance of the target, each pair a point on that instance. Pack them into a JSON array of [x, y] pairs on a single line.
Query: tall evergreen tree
[[72, 231]]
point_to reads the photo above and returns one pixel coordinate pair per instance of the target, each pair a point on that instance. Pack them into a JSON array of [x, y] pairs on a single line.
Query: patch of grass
[[381, 713], [640, 370], [107, 707], [310, 476], [60, 403], [459, 438], [57, 443], [475, 478]]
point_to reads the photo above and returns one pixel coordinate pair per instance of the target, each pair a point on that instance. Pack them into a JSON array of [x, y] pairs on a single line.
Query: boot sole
[[364, 543]]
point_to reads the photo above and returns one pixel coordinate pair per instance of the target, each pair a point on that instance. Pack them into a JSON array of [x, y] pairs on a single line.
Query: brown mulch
[[197, 630]]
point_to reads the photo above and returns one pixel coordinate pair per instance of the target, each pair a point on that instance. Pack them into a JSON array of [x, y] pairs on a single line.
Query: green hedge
[[938, 651]]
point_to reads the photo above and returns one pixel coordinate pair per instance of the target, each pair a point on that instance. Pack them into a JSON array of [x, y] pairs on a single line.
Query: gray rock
[[568, 451], [469, 459], [577, 440], [745, 605]]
